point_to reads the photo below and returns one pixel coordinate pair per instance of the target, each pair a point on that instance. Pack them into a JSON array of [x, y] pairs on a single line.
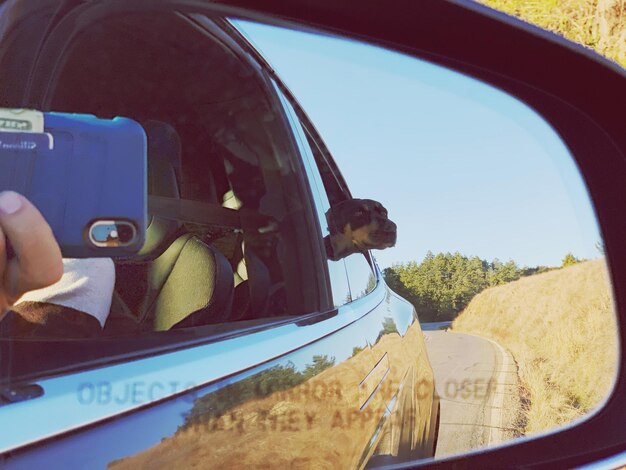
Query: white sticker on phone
[[20, 120]]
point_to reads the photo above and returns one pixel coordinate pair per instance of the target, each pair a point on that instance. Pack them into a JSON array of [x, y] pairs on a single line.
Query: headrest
[[164, 158], [164, 161]]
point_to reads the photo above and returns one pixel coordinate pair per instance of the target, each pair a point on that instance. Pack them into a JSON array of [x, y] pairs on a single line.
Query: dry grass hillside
[[560, 328], [277, 430], [598, 24]]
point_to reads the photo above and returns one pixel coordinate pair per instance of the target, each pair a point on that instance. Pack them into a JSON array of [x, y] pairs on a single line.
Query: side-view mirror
[[256, 328]]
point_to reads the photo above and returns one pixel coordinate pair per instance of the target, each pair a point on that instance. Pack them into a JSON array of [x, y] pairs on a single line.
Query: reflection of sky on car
[[460, 167]]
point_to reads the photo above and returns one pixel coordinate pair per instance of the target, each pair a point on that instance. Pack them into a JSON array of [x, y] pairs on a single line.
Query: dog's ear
[[339, 215], [333, 216], [331, 221]]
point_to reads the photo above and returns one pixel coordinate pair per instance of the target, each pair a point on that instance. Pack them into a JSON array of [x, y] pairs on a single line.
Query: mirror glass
[[354, 258], [498, 248]]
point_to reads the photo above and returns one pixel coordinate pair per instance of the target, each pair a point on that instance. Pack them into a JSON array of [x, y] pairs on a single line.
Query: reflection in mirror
[[235, 340], [500, 253]]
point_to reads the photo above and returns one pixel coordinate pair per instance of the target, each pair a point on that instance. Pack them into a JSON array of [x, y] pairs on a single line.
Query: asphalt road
[[477, 384]]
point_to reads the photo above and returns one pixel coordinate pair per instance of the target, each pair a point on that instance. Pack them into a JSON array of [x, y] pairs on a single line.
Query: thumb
[[4, 302], [37, 262]]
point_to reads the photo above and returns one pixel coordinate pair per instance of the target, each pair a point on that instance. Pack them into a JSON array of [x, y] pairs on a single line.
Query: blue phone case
[[80, 170]]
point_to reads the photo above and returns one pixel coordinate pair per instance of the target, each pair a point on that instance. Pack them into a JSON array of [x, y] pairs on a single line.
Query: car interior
[[230, 230], [212, 140]]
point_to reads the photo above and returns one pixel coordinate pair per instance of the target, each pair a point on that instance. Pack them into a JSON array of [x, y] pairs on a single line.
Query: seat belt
[[207, 213]]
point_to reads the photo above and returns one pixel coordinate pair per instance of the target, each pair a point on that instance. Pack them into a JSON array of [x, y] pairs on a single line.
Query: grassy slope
[[598, 24], [560, 328]]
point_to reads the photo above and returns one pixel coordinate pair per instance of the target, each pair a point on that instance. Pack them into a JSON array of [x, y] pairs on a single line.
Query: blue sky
[[459, 165]]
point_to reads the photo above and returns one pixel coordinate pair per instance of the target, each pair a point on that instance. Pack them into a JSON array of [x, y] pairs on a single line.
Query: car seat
[[190, 284], [177, 280], [164, 161], [251, 290]]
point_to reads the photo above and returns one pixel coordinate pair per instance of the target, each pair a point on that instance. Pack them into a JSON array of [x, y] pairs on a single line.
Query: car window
[[340, 286], [353, 276], [361, 276], [224, 149], [359, 267], [230, 240]]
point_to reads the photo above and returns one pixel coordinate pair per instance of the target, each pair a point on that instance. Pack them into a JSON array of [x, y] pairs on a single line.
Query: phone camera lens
[[112, 233]]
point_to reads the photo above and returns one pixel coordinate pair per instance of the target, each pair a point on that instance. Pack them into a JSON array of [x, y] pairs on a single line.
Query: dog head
[[359, 225]]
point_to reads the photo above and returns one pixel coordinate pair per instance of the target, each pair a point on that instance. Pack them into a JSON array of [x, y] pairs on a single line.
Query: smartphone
[[86, 175]]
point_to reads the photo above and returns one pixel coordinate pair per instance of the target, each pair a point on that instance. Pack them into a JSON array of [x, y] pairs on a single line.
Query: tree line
[[443, 284], [275, 379]]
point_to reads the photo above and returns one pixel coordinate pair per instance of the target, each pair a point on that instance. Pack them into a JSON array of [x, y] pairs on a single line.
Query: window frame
[[311, 138]]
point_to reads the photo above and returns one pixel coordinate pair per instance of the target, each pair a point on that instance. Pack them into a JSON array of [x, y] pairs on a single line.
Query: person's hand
[[37, 262]]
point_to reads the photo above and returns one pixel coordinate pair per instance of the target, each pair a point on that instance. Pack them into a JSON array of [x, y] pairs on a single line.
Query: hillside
[[561, 330], [597, 24], [274, 429]]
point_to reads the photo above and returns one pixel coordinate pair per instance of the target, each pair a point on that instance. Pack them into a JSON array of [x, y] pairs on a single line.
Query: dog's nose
[[390, 226]]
